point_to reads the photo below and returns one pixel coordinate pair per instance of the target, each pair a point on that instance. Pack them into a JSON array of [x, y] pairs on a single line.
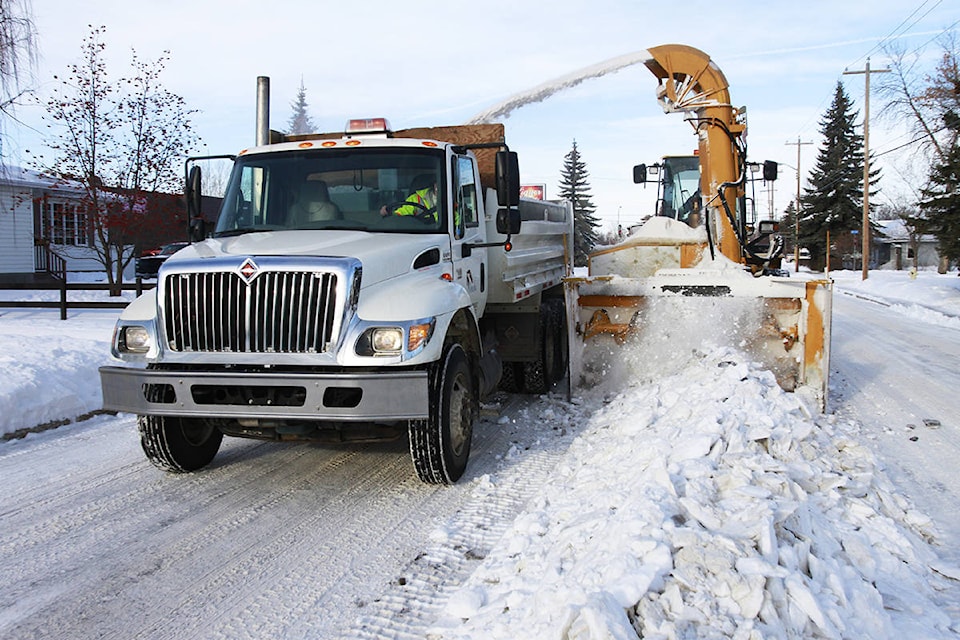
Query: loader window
[[680, 179]]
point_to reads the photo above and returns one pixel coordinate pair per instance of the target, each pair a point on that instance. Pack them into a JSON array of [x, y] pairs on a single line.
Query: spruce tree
[[833, 201], [940, 202], [300, 121], [788, 226], [574, 187]]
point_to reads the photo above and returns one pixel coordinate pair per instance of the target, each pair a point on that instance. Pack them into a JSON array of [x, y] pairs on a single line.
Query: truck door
[[470, 265]]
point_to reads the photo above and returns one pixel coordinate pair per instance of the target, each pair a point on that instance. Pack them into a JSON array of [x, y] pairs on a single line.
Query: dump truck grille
[[277, 312]]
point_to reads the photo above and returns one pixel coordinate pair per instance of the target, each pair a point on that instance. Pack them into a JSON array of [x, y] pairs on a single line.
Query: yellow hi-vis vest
[[424, 197]]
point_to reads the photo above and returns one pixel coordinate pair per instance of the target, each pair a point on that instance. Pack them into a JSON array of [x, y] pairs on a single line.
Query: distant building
[[39, 212], [897, 248]]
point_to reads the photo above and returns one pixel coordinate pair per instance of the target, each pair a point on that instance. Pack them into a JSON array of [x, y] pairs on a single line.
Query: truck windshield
[[388, 190]]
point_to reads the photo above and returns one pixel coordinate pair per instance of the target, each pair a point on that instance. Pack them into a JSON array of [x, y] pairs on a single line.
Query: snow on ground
[[50, 365], [703, 503], [712, 504]]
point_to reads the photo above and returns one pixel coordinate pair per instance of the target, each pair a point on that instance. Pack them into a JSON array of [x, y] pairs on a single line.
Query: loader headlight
[[134, 339]]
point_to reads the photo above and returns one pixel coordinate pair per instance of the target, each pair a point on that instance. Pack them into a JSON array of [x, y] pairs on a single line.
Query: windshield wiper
[[242, 230]]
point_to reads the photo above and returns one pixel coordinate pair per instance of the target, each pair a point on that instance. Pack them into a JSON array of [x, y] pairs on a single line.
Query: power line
[[907, 144], [893, 33], [940, 33]]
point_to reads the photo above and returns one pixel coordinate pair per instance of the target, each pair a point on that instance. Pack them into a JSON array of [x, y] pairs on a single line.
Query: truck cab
[[355, 286]]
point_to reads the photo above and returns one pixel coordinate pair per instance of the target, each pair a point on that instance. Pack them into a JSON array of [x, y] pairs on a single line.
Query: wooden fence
[[64, 302]]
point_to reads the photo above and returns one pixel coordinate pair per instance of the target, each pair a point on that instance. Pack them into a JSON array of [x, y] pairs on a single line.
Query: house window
[[64, 223]]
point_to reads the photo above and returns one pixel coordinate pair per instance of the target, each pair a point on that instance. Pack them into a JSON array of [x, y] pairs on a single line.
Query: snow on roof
[[22, 177], [897, 231]]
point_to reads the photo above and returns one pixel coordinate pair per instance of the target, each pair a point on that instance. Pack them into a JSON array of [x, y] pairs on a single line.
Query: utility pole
[[865, 232], [796, 214]]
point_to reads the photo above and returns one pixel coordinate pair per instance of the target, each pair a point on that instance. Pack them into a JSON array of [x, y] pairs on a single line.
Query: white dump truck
[[363, 285]]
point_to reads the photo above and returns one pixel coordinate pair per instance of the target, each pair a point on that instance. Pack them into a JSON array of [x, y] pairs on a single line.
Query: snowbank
[[707, 504]]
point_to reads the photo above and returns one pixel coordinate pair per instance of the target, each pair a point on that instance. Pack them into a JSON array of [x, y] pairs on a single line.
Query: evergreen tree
[[300, 120], [788, 226], [834, 200], [574, 187], [940, 202]]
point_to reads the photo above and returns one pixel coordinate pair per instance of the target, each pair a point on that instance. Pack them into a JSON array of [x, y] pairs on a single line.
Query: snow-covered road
[[896, 375], [274, 541], [305, 541]]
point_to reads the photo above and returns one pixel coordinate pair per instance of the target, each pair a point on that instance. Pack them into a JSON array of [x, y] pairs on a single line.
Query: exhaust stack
[[263, 110]]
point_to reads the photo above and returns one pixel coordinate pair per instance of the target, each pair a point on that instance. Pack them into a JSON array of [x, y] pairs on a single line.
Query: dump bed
[[541, 254]]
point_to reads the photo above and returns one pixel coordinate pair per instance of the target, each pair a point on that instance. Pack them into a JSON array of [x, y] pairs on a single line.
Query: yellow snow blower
[[700, 269]]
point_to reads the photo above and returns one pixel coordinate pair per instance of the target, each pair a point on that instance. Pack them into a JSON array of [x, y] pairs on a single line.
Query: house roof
[[896, 231], [28, 178]]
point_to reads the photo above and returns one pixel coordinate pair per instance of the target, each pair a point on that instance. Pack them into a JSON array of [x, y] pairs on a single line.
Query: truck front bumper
[[359, 397]]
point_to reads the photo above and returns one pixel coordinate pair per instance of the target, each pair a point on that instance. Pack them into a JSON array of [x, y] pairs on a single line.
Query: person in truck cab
[[423, 199]]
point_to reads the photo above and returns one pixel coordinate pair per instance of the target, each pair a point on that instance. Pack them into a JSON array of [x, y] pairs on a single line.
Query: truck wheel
[[558, 322], [179, 445], [510, 377], [440, 445], [539, 376]]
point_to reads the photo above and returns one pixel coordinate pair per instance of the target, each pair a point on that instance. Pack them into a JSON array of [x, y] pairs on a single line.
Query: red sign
[[535, 191]]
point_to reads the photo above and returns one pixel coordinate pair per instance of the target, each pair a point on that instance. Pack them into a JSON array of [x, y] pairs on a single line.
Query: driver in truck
[[423, 200]]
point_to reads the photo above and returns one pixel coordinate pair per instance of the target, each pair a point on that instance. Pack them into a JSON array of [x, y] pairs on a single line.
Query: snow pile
[[707, 504], [927, 296], [663, 230], [50, 366]]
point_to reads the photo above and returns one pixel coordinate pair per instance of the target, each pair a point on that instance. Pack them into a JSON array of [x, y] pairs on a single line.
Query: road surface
[[299, 540]]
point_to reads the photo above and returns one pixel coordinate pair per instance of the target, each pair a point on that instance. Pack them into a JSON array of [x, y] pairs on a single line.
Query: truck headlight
[[134, 339], [387, 340], [395, 341]]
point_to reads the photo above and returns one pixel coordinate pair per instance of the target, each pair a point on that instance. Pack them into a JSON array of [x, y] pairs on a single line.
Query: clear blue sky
[[422, 63]]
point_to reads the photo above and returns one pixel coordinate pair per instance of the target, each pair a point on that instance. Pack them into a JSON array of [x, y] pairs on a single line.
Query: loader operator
[[423, 200]]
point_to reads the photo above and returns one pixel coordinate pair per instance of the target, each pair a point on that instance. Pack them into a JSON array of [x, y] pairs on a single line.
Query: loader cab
[[678, 187]]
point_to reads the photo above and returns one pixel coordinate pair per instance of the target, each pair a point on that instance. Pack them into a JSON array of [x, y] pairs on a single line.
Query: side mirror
[[640, 174], [193, 192], [769, 170], [196, 225], [197, 230], [508, 179], [508, 221]]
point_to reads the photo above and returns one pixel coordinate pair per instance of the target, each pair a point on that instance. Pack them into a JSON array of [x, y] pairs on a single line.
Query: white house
[[896, 249], [36, 209]]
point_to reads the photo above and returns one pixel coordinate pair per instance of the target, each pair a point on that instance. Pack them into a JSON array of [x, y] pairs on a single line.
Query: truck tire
[[540, 375], [558, 321], [440, 445], [179, 445], [510, 377]]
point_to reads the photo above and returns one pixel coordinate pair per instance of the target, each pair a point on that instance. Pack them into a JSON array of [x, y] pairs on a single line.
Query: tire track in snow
[[156, 518], [417, 597], [272, 540]]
